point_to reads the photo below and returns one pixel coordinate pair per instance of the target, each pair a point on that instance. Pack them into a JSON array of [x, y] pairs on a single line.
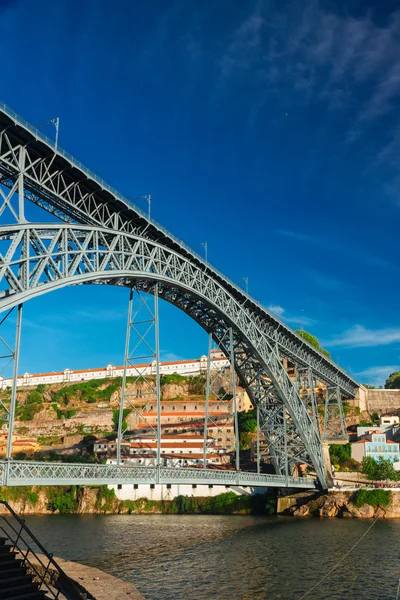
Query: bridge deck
[[19, 473]]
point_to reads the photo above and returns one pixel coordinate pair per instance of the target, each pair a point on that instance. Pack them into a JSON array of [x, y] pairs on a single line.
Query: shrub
[[41, 388], [34, 397], [374, 498], [105, 498], [65, 500]]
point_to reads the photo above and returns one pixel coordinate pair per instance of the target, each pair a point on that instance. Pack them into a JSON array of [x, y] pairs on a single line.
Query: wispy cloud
[[326, 281], [357, 252], [166, 356], [359, 336], [297, 320], [377, 375]]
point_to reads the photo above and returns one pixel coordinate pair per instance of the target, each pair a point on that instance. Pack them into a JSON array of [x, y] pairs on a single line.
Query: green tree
[[393, 381], [247, 421], [311, 339], [115, 418]]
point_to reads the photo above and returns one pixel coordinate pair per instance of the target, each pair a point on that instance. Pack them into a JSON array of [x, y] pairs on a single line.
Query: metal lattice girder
[[334, 421], [62, 185], [58, 255], [142, 356], [10, 357], [21, 473], [306, 384], [221, 389]]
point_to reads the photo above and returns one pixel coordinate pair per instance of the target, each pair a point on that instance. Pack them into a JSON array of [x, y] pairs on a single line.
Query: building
[[182, 367], [376, 446], [181, 450], [19, 444]]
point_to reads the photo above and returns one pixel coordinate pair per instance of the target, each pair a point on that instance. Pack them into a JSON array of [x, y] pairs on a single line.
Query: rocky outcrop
[[342, 505]]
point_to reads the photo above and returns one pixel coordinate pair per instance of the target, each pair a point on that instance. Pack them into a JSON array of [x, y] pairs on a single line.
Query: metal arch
[[58, 255], [62, 185]]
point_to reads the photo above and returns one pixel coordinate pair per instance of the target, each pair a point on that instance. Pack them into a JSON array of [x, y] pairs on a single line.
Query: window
[[168, 486], [152, 486], [210, 486], [135, 486], [119, 486], [194, 486], [227, 487]]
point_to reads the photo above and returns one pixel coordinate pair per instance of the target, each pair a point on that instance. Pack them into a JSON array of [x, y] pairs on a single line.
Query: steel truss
[[334, 422], [53, 256], [106, 240], [65, 187], [142, 355], [17, 473], [221, 389]]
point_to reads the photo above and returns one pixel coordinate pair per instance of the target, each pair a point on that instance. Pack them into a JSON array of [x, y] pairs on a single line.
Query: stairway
[[15, 582]]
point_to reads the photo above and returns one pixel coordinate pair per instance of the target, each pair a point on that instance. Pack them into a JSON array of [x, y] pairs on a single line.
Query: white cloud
[[377, 375], [359, 336], [296, 320]]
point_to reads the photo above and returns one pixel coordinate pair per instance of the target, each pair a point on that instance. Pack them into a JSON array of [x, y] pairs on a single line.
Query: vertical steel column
[[123, 387], [258, 439], [158, 387], [14, 383], [234, 399], [21, 199], [285, 442], [208, 380]]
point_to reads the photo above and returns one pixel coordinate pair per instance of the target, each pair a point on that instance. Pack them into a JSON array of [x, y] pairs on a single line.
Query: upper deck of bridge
[[21, 132]]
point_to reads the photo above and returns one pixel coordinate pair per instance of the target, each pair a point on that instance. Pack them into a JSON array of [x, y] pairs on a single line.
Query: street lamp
[[246, 281], [56, 123]]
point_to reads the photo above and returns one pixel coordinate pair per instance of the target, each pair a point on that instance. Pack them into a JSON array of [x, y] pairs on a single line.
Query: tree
[[247, 421], [311, 339], [115, 418], [393, 381]]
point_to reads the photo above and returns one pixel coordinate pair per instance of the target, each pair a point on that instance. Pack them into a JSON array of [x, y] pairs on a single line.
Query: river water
[[182, 557]]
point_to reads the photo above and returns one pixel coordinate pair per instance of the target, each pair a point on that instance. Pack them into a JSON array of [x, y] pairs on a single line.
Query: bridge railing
[[17, 473]]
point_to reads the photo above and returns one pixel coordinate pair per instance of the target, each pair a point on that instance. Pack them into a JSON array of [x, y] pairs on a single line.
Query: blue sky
[[269, 129]]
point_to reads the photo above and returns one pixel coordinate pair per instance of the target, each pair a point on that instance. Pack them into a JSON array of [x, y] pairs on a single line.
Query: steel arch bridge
[[97, 236]]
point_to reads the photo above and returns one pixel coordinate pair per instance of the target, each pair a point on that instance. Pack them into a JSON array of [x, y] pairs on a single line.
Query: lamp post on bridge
[[56, 123], [205, 246], [246, 282]]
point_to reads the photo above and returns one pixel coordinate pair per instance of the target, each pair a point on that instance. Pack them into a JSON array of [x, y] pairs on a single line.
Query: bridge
[[97, 236]]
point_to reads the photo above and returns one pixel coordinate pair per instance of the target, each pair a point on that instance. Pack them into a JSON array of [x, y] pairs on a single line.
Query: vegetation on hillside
[[311, 339], [341, 458]]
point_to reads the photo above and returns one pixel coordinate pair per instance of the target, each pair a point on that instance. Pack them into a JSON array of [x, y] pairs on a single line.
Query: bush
[[34, 398], [63, 414], [374, 498], [41, 388], [247, 421], [27, 412], [65, 500], [339, 453], [105, 499]]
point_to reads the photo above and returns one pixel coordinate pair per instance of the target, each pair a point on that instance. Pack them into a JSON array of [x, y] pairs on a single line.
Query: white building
[[183, 367]]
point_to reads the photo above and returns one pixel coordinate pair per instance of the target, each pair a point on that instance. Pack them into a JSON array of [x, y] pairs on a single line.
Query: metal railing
[[105, 185], [18, 473], [46, 573]]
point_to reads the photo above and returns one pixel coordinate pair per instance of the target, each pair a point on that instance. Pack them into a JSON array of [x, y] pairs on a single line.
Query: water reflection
[[173, 557]]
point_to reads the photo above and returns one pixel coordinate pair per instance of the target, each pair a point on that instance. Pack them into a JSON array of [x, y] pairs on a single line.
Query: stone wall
[[382, 401]]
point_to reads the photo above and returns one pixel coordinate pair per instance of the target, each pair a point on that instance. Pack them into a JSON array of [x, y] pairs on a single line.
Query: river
[[171, 557]]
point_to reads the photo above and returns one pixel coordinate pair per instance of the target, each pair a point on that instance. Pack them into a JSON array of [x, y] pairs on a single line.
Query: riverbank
[[82, 500], [360, 504]]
